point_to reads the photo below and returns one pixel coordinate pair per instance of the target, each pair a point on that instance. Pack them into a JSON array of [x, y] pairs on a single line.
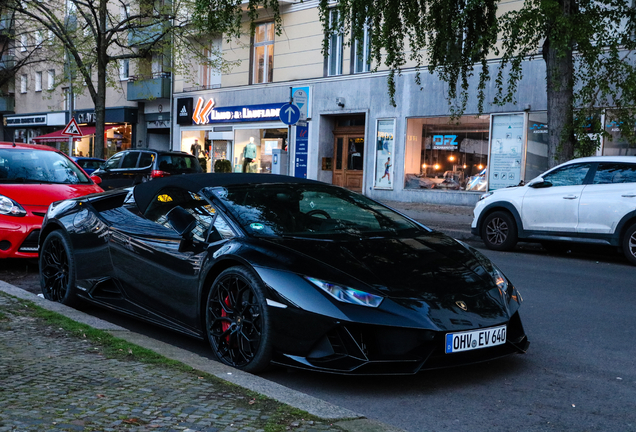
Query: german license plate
[[475, 339]]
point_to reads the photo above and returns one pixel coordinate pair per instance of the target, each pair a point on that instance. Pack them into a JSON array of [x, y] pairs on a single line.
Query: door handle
[[629, 196], [570, 197]]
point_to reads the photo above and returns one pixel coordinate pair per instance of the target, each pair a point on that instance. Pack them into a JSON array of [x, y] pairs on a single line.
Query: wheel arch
[[501, 206], [623, 225], [212, 273], [48, 229]]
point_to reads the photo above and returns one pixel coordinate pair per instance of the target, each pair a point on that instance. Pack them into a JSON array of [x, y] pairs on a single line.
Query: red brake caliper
[[225, 325]]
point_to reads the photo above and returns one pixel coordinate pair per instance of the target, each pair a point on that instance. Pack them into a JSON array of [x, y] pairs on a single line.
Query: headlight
[[10, 208], [493, 271], [346, 294], [486, 195]]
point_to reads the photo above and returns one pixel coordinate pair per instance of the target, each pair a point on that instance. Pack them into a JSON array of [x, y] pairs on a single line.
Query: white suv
[[586, 200]]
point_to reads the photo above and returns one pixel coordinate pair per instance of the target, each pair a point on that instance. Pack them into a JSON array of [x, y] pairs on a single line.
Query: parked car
[[275, 269], [131, 167], [587, 200], [32, 177], [88, 164]]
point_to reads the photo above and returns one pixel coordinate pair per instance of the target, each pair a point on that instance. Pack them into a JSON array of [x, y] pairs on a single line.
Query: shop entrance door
[[348, 165]]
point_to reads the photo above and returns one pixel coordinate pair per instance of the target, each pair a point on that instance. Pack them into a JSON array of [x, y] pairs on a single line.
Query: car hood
[[42, 194], [419, 268]]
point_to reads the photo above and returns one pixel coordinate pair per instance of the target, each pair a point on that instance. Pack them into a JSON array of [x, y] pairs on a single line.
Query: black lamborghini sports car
[[274, 269]]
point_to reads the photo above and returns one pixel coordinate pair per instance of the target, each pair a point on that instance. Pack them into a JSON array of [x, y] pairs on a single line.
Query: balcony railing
[[152, 87], [146, 35]]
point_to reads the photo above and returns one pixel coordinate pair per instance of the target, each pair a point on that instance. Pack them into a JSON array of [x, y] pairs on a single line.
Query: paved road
[[579, 374]]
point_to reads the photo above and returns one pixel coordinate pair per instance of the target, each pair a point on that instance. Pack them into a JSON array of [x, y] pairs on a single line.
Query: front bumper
[[376, 350], [19, 236]]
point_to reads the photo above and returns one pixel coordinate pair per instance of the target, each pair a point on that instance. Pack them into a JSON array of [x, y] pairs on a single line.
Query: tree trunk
[[100, 100], [560, 92]]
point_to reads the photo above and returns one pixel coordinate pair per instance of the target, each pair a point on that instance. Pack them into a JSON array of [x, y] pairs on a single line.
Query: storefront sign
[[36, 120], [184, 111], [385, 139], [444, 142], [506, 151], [302, 140]]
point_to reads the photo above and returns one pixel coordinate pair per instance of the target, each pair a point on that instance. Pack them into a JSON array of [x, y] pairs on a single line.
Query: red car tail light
[[158, 173]]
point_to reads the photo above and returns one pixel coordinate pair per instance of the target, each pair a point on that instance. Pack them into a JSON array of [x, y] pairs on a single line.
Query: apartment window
[[23, 42], [334, 58], [124, 69], [23, 83], [362, 52], [67, 99], [51, 79], [263, 66], [38, 38], [71, 7], [38, 81]]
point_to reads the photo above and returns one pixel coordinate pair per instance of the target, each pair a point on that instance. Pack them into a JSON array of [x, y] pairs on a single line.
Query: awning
[[58, 137]]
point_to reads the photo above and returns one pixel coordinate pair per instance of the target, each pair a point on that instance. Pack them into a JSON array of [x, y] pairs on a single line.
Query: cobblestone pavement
[[52, 381]]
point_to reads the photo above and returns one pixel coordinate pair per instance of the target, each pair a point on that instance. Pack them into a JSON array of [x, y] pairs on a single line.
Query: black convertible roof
[[145, 192]]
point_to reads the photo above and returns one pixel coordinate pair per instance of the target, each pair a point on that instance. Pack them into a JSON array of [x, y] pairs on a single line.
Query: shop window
[[334, 57], [445, 154], [263, 52], [614, 144]]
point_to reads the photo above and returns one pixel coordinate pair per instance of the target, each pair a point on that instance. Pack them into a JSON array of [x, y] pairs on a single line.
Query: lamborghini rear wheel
[[237, 320], [57, 270]]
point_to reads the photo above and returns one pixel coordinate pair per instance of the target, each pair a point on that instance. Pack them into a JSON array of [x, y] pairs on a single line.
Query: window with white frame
[[208, 74], [66, 91], [362, 51], [23, 83], [51, 79], [334, 58], [23, 42], [124, 69], [38, 81], [263, 66], [38, 38]]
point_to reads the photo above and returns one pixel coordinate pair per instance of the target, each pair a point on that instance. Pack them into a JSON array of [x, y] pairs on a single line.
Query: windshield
[[38, 166], [310, 210]]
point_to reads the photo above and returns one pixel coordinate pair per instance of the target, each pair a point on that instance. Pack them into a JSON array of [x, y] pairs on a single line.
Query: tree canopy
[[587, 46], [88, 38]]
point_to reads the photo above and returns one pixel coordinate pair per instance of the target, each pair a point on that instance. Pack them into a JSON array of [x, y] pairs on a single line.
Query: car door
[[109, 172], [156, 267], [555, 208], [609, 197]]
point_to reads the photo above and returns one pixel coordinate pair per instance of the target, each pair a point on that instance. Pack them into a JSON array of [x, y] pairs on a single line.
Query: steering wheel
[[318, 212]]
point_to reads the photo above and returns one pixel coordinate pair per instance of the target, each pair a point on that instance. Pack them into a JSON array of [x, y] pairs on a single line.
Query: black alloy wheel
[[57, 270], [237, 320], [629, 244], [499, 231]]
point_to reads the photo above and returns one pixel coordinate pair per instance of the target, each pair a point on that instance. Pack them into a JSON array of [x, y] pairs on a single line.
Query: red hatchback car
[[32, 177]]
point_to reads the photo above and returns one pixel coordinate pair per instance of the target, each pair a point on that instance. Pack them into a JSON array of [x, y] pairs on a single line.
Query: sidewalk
[[453, 220], [54, 381]]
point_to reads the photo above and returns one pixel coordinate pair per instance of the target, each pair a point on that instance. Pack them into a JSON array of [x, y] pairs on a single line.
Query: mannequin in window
[[249, 154], [195, 149]]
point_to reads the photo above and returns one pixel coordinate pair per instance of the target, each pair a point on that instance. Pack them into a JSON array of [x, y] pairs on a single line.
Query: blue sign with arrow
[[289, 114]]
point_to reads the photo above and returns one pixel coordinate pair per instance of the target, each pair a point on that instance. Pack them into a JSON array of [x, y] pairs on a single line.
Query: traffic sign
[[300, 98], [72, 129], [289, 114]]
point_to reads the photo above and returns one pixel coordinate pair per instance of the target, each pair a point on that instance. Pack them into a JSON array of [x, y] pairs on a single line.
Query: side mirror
[[96, 179], [540, 184], [181, 221]]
